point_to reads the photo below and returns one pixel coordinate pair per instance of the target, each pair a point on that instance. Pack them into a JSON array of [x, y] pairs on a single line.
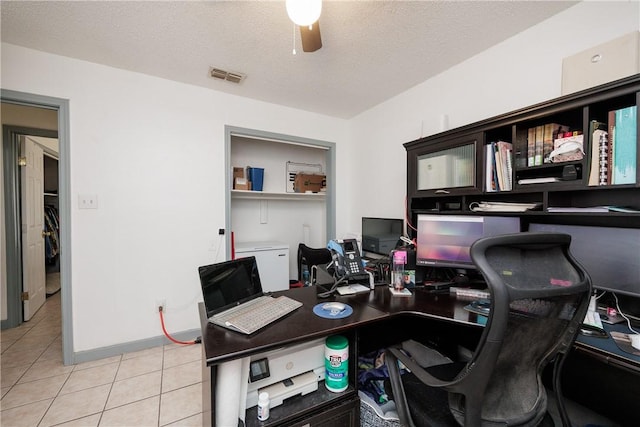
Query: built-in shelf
[[265, 195]]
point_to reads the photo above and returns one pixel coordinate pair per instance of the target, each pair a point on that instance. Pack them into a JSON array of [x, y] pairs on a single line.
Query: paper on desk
[[352, 289], [623, 342]]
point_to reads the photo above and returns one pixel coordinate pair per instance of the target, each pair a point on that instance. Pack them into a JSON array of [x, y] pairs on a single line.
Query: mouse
[[334, 307], [592, 331]]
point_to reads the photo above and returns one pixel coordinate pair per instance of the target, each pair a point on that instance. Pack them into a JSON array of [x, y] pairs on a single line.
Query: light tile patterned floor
[[160, 386]]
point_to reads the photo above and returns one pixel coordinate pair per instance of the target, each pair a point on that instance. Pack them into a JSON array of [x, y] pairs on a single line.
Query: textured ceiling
[[372, 50]]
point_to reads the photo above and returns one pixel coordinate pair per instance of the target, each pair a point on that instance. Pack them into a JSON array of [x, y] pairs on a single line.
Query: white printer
[[286, 372]]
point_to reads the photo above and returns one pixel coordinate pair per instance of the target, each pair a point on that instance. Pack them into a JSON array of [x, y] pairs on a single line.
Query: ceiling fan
[[306, 14]]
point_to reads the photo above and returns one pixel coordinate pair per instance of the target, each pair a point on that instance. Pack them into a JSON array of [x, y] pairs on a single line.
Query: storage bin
[[256, 176]]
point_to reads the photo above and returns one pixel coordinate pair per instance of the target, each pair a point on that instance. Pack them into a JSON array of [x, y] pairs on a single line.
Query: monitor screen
[[610, 255], [445, 240], [380, 235]]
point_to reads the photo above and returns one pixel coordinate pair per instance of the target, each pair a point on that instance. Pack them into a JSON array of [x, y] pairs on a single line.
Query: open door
[[32, 218]]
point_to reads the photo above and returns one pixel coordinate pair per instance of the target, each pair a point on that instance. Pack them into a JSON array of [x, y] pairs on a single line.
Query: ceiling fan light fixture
[[304, 12]]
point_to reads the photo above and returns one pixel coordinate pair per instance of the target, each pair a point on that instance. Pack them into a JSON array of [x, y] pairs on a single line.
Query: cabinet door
[[273, 267], [445, 167]]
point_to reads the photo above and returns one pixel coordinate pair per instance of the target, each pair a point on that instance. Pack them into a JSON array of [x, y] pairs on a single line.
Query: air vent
[[230, 76]]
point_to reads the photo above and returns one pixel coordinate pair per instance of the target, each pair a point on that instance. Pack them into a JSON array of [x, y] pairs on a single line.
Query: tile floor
[[160, 386]]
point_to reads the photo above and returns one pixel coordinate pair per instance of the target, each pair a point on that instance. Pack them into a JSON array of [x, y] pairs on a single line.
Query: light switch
[[87, 201]]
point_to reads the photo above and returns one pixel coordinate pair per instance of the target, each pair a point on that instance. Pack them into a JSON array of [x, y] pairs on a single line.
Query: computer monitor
[[381, 235], [610, 255], [445, 240]]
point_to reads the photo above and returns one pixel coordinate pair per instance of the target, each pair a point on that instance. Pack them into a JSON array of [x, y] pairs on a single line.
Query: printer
[[286, 372]]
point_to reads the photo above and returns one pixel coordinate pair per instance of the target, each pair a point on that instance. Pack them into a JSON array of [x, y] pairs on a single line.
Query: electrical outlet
[[161, 303]]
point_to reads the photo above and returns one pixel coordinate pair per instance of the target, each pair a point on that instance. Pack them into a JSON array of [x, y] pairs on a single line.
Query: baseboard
[[128, 347]]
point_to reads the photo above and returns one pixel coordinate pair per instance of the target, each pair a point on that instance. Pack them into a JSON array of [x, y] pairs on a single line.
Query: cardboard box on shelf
[[239, 180], [241, 184], [308, 182]]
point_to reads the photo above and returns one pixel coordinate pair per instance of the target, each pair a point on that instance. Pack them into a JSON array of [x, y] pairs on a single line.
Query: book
[[499, 167], [505, 150], [611, 122], [539, 146], [490, 184], [624, 156], [502, 206], [596, 129], [531, 147], [603, 163], [623, 209], [593, 209], [541, 180], [510, 169]]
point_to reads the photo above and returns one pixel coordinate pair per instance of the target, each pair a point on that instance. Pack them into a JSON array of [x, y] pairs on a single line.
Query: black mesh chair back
[[310, 257], [539, 297]]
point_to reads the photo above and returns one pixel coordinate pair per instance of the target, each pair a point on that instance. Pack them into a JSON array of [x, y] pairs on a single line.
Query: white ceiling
[[372, 50]]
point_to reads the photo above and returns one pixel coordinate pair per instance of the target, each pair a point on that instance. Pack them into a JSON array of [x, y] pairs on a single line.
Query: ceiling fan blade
[[311, 40]]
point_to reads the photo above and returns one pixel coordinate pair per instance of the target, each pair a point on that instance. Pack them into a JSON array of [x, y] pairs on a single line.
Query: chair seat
[[436, 413]]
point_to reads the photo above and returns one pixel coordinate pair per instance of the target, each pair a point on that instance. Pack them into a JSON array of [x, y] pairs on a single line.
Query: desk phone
[[346, 257]]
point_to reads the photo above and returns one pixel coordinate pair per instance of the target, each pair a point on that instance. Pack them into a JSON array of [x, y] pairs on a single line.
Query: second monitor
[[380, 235]]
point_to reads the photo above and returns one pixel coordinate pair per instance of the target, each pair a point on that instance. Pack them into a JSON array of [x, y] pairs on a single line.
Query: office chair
[[539, 297], [310, 257]]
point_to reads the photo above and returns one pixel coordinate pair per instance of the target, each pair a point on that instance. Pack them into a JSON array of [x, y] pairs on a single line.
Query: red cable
[[167, 334]]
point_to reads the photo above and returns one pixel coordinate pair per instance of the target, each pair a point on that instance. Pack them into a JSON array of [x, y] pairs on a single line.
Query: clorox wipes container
[[336, 363]]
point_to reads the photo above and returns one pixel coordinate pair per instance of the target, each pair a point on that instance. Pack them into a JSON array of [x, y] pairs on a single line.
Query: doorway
[[12, 251]]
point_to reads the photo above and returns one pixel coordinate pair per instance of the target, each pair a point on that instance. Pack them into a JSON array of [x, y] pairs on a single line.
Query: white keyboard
[[257, 314]]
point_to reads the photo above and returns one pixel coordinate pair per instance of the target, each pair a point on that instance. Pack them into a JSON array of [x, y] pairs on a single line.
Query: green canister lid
[[337, 342]]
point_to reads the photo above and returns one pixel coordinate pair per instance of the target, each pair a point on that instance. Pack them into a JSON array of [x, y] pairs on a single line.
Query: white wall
[[519, 72], [152, 151]]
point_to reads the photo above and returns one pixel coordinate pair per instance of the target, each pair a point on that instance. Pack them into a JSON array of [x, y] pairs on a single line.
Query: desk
[[377, 317]]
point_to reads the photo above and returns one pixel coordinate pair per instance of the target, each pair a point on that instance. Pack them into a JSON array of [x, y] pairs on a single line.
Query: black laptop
[[230, 283], [226, 286]]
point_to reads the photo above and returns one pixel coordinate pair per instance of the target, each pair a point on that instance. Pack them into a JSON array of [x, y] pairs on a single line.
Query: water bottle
[[399, 259], [305, 277]]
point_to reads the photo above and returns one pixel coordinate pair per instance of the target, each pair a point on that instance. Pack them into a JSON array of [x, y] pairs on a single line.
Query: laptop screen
[[229, 283]]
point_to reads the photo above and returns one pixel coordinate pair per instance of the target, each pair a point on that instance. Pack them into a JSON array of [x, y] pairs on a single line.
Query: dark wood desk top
[[302, 325], [440, 305]]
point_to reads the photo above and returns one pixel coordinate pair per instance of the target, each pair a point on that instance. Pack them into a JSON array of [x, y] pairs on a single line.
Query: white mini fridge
[[273, 262]]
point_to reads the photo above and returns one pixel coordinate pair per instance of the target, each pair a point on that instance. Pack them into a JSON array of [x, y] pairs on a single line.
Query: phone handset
[[346, 257]]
